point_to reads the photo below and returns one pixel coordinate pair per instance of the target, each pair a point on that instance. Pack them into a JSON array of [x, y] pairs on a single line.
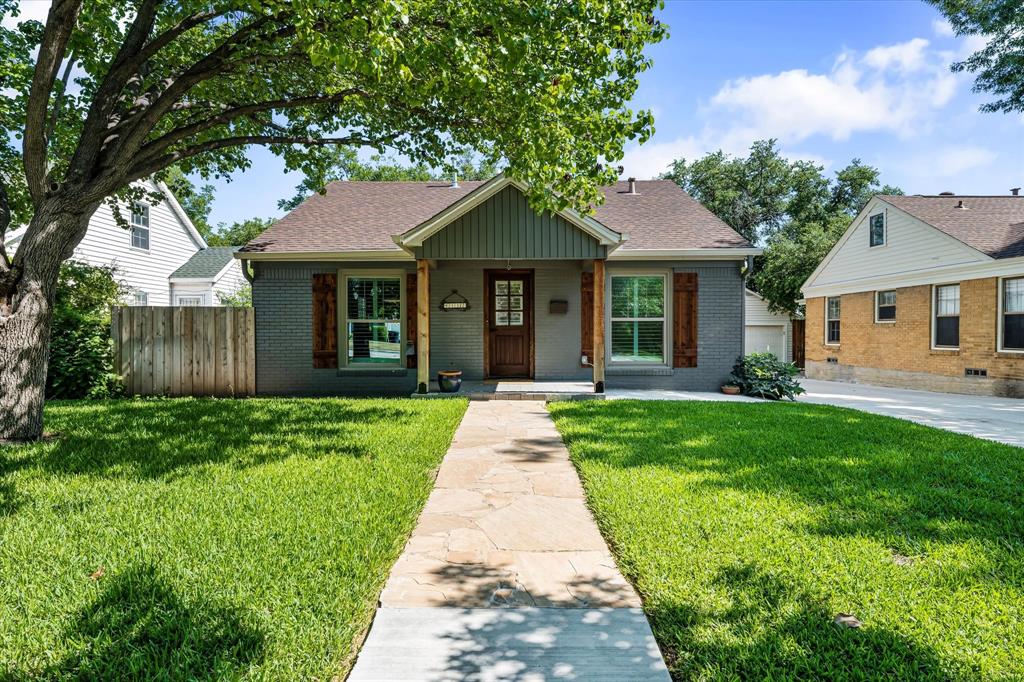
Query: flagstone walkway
[[505, 531]]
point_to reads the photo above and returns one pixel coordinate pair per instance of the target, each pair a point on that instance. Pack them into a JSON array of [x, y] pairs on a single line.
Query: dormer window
[[140, 226], [876, 230]]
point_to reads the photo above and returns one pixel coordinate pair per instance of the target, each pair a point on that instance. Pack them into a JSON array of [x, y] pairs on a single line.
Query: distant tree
[[346, 165], [1000, 64], [790, 207], [239, 233], [197, 202]]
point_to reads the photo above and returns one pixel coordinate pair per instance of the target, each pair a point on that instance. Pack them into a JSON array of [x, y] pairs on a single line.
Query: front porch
[[518, 389]]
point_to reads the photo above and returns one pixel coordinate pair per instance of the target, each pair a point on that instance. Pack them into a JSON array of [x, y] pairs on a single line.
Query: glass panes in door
[[508, 303]]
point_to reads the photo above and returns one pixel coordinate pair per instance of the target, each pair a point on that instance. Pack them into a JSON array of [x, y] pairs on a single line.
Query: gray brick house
[[374, 287]]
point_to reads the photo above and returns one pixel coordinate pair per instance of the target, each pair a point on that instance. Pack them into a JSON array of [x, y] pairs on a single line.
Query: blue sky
[[830, 80]]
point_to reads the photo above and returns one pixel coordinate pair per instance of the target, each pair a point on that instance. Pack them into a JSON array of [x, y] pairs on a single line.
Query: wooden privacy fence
[[185, 350]]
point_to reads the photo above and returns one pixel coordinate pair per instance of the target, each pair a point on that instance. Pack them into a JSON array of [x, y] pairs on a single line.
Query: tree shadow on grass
[[140, 628], [772, 629], [157, 438], [862, 474]]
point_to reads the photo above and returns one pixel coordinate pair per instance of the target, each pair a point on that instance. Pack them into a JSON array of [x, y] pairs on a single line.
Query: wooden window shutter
[[325, 321], [684, 319], [410, 318], [587, 316]]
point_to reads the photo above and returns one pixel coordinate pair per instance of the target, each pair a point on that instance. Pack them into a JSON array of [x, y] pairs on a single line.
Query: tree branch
[[147, 167], [161, 144], [59, 104], [60, 22]]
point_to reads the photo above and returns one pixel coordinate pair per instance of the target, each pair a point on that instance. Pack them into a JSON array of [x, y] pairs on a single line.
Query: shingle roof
[[357, 216], [206, 263], [993, 225]]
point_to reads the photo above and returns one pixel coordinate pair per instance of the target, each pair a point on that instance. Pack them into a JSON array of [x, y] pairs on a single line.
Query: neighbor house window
[[832, 310], [140, 298], [191, 300], [876, 229], [947, 316], [140, 226], [885, 308], [1013, 314], [373, 320], [638, 318]]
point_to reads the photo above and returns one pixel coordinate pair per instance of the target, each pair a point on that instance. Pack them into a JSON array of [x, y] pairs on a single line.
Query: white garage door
[[768, 338]]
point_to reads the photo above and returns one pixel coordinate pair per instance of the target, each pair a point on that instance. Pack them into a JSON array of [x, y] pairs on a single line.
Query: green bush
[[766, 376], [81, 351]]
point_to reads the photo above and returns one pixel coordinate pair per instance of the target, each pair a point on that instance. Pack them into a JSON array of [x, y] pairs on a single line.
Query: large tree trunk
[[26, 314]]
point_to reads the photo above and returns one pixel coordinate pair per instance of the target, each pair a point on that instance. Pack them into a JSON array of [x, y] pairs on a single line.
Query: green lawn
[[748, 527], [237, 539]]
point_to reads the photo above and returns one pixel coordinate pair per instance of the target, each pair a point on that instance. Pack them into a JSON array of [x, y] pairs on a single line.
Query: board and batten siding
[[505, 226], [911, 246], [170, 246]]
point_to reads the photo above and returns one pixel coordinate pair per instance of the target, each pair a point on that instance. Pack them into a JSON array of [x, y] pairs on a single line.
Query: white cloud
[[897, 89], [906, 57], [942, 28]]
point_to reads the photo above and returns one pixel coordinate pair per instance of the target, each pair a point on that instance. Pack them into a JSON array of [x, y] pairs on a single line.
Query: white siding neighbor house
[[765, 331], [206, 276], [160, 241]]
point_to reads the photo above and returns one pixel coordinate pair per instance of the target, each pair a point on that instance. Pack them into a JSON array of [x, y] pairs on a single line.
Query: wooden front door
[[798, 343], [508, 323]]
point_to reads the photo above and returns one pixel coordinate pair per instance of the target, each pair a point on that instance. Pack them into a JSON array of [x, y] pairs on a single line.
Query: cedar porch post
[[599, 326], [422, 326]]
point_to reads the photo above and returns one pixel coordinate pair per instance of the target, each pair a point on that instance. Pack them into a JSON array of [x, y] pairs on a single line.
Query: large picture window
[[833, 310], [1013, 314], [947, 316], [373, 320], [638, 318]]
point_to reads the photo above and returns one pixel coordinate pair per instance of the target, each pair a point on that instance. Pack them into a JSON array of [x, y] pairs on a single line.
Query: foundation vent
[[832, 361], [975, 372]]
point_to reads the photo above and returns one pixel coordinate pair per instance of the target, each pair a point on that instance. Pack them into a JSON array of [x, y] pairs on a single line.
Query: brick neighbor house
[[923, 292], [374, 287]]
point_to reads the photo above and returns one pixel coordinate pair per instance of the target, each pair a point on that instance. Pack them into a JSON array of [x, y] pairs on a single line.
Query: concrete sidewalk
[[506, 575]]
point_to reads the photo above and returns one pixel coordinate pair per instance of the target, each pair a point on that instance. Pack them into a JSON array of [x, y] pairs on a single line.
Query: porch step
[[519, 390]]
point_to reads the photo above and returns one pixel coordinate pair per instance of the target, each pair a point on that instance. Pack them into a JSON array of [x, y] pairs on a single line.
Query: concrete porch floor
[[518, 389]]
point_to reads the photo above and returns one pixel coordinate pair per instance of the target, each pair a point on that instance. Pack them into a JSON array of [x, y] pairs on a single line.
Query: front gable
[[911, 246], [506, 226]]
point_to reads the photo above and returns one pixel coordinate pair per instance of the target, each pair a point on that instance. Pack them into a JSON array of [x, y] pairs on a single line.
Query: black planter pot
[[449, 380]]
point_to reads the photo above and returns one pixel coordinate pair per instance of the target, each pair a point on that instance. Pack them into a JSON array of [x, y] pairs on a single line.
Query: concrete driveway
[[998, 419]]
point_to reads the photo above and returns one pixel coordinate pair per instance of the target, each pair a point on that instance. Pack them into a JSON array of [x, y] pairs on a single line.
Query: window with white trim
[[1012, 314], [876, 230], [373, 320], [191, 300], [947, 316], [140, 298], [885, 306], [638, 318], [832, 315], [140, 226]]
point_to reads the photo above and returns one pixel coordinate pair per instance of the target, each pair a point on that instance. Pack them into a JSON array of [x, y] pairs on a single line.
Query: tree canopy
[[792, 208], [1000, 64]]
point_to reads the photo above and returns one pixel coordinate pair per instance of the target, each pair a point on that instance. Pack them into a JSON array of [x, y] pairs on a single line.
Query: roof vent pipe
[[455, 181], [960, 204], [1015, 191], [632, 185]]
